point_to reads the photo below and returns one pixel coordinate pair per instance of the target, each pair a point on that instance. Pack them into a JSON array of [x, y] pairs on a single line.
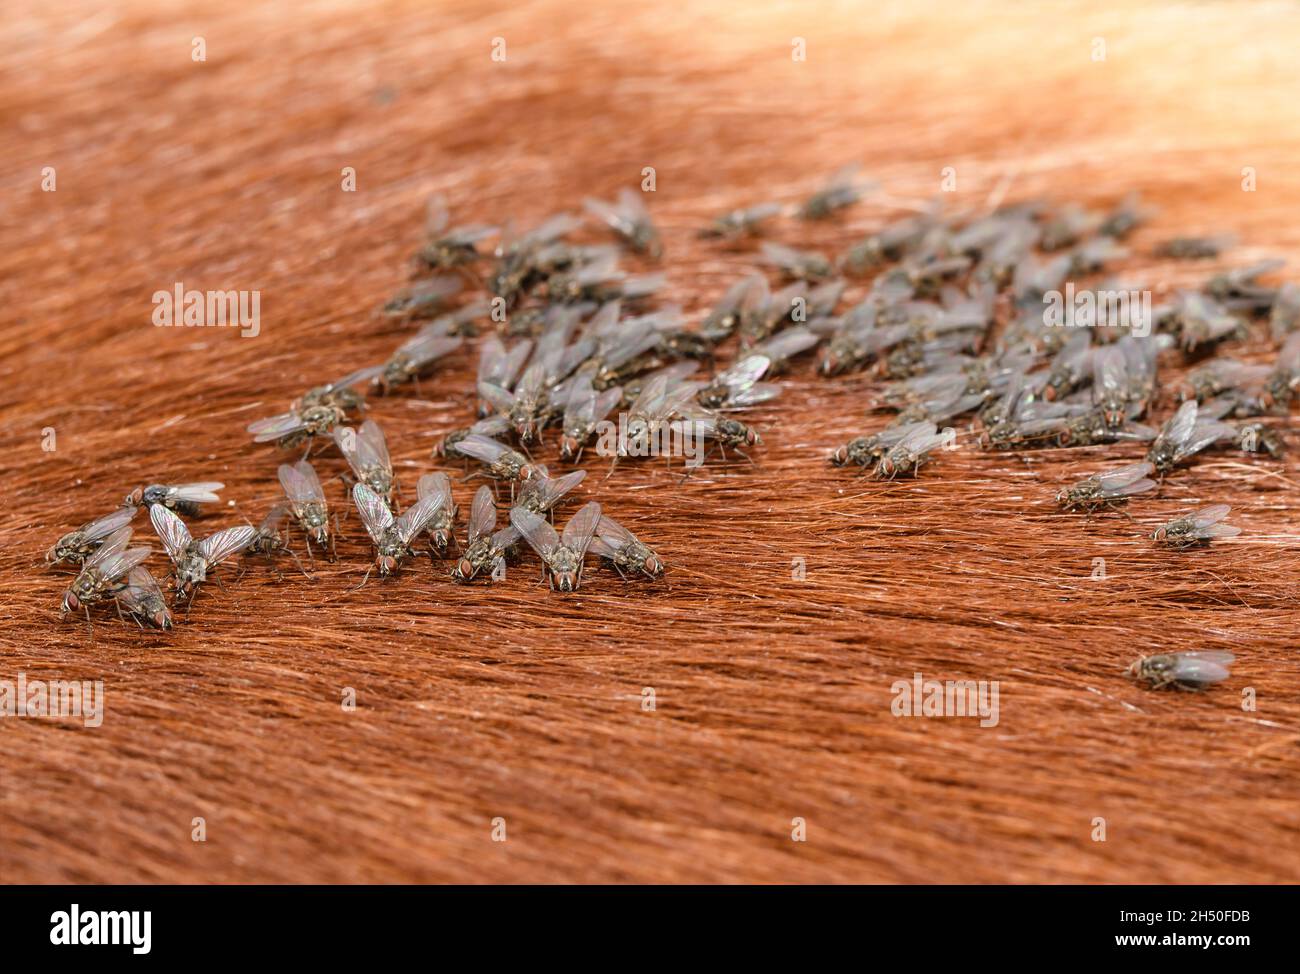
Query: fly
[[1110, 489], [77, 546], [182, 498], [307, 501], [624, 551], [630, 220], [392, 537], [143, 599], [487, 547], [1184, 671], [561, 554], [366, 452], [101, 574], [1196, 528], [584, 409], [441, 527], [1185, 434], [448, 249], [194, 559]]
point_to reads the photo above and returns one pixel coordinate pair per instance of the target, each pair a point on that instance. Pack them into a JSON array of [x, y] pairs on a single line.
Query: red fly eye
[[465, 568], [527, 472]]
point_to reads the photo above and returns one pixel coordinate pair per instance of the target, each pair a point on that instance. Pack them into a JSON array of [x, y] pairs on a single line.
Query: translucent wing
[[223, 544], [122, 562], [374, 512], [113, 545], [265, 430], [581, 528], [1201, 667], [1206, 516], [788, 343], [372, 448], [614, 534], [1125, 475], [273, 518], [140, 586], [361, 375], [108, 524], [172, 531], [481, 448], [536, 531], [418, 515], [201, 493], [581, 404], [482, 514], [1205, 432], [435, 484], [650, 393], [746, 372], [1110, 370], [300, 483], [1179, 426], [496, 397], [549, 490], [423, 349]]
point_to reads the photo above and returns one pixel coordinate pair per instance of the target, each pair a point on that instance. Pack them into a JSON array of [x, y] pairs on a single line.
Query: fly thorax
[[564, 561]]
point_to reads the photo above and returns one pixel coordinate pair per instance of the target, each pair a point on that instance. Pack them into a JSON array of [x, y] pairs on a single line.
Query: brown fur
[[513, 701]]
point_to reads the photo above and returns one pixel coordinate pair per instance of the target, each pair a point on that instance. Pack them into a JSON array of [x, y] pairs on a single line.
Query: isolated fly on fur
[[1182, 671], [1108, 490], [1197, 528]]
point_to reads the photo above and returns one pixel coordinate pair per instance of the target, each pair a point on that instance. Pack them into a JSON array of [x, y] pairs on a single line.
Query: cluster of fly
[[110, 570], [951, 319]]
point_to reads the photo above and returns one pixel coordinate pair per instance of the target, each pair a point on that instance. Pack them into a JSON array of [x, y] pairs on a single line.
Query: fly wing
[[788, 343], [273, 518], [223, 544], [372, 447], [481, 448], [581, 528], [346, 439], [1201, 667], [113, 545], [300, 483], [551, 490], [274, 427], [614, 534], [417, 516], [423, 349], [1115, 480], [437, 216], [1206, 516], [140, 585], [1205, 432], [482, 514], [1110, 370], [606, 401], [608, 214], [496, 397], [491, 360], [201, 493], [172, 531], [580, 408], [360, 375], [1217, 531], [108, 524], [435, 483], [119, 564], [650, 394], [1179, 426], [375, 514], [540, 536], [746, 372]]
